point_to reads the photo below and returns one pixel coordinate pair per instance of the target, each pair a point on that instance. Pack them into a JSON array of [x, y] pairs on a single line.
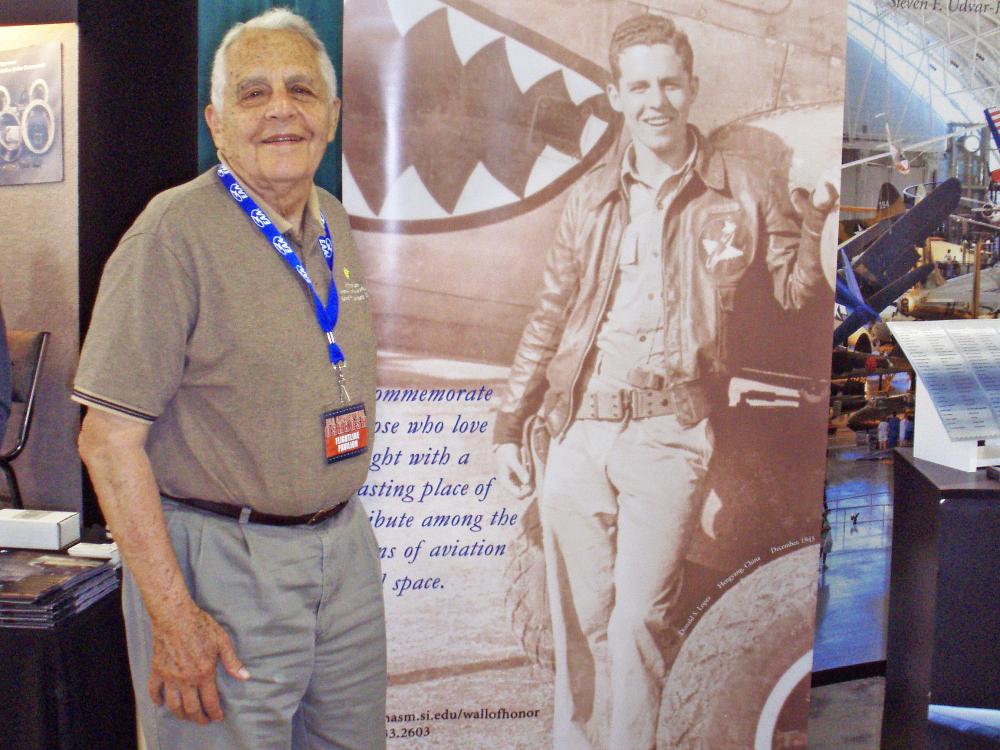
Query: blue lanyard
[[326, 316]]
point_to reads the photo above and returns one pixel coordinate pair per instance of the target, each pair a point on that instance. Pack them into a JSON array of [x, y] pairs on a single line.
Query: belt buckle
[[617, 403], [620, 406], [634, 398]]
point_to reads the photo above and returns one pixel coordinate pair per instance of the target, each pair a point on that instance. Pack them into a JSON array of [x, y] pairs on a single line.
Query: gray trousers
[[619, 504], [303, 606]]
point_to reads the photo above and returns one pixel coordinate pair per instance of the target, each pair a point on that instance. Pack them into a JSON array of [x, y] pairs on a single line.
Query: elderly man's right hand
[[185, 650], [514, 476]]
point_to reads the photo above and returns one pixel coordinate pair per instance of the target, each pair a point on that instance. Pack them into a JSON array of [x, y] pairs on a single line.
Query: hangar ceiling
[[946, 52]]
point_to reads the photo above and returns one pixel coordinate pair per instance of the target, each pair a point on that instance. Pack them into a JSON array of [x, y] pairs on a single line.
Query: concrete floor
[[847, 716]]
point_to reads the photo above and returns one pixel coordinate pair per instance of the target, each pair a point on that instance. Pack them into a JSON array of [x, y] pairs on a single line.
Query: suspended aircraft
[[955, 298], [889, 203], [877, 266], [878, 409], [849, 364], [899, 159]]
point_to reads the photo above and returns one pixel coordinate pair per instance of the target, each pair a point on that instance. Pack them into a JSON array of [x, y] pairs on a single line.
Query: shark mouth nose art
[[458, 118]]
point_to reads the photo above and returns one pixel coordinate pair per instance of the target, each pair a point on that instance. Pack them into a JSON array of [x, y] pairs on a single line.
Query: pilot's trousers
[[619, 504]]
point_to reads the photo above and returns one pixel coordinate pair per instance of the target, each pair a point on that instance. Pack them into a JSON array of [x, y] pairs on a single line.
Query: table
[[68, 688]]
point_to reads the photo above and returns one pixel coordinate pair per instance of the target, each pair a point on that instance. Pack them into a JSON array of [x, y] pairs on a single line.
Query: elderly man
[[229, 370], [623, 358]]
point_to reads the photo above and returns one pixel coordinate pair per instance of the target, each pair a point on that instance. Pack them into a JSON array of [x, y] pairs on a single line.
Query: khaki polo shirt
[[202, 330]]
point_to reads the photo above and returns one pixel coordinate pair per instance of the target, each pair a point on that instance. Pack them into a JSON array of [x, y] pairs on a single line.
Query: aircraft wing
[[882, 265], [891, 292], [894, 151], [861, 241], [848, 293], [879, 301], [892, 254], [885, 266]]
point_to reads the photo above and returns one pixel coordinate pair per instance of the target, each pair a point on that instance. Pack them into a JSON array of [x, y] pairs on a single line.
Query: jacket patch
[[724, 244]]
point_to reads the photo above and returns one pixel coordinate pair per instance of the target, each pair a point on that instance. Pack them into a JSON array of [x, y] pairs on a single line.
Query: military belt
[[637, 403]]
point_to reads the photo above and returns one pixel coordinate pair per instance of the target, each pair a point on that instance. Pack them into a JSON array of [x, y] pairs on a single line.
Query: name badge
[[345, 432]]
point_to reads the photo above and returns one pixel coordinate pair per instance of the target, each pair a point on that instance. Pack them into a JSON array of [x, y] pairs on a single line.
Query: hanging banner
[[603, 307]]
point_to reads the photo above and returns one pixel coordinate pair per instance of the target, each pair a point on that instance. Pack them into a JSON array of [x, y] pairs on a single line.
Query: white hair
[[275, 19]]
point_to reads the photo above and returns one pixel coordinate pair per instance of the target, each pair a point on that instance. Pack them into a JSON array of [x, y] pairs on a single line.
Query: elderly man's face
[[278, 116], [655, 93]]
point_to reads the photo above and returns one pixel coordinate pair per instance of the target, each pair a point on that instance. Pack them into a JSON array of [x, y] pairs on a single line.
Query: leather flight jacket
[[730, 213]]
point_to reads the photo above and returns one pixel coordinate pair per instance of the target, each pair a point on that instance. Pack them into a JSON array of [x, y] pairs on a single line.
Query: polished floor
[[852, 601], [851, 606]]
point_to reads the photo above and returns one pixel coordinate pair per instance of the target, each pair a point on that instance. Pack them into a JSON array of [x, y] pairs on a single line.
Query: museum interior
[[905, 563]]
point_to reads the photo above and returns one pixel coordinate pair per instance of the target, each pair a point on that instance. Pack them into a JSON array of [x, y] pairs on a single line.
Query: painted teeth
[[468, 36], [409, 198]]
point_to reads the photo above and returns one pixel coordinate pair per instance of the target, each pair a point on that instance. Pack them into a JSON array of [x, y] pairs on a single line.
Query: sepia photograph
[[617, 220]]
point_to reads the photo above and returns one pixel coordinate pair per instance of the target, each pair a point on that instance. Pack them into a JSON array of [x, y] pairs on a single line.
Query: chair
[[27, 350]]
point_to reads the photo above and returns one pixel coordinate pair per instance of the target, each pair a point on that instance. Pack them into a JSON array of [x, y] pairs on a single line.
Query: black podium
[[68, 688], [943, 642]]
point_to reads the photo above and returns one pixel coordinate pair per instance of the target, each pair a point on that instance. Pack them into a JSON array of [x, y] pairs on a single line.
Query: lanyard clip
[[345, 397]]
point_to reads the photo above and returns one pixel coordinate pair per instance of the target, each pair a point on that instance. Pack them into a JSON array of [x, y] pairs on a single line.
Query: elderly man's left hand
[[187, 642], [185, 651]]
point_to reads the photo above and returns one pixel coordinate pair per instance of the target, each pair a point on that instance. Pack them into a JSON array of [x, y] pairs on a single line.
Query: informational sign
[[958, 362], [31, 146]]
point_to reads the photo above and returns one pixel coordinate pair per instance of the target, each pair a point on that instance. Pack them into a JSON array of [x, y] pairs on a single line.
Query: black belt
[[248, 515]]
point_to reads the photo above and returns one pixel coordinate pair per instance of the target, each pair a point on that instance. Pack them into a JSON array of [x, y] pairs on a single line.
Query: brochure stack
[[39, 590]]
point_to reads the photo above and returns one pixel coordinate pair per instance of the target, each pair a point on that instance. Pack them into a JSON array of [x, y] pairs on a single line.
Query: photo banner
[[647, 573]]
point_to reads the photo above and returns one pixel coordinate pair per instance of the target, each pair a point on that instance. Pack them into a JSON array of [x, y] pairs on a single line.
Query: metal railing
[[861, 522]]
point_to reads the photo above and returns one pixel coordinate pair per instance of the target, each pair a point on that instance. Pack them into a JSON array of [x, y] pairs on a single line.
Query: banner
[[662, 417]]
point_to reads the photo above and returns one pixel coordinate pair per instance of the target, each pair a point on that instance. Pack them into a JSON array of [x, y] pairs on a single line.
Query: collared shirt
[[202, 332], [631, 334], [305, 238]]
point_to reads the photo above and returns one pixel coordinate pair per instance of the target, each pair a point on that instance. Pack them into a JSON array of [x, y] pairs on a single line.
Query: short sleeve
[[132, 361]]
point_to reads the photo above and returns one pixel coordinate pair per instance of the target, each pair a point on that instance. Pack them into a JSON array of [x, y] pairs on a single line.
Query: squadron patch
[[724, 243]]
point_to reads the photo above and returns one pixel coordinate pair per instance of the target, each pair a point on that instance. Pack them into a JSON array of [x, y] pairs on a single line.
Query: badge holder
[[345, 428]]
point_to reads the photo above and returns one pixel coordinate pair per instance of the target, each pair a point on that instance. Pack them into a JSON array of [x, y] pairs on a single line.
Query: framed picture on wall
[[31, 143]]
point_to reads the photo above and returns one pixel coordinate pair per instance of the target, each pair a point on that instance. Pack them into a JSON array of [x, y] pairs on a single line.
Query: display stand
[[931, 441], [942, 644], [957, 367]]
